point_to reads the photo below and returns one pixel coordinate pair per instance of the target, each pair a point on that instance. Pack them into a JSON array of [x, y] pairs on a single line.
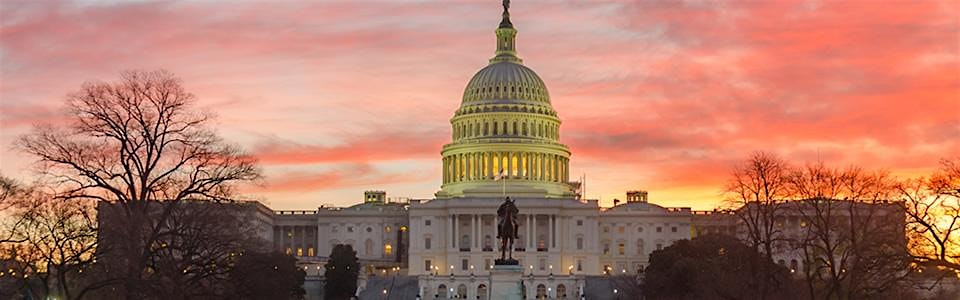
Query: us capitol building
[[505, 142]]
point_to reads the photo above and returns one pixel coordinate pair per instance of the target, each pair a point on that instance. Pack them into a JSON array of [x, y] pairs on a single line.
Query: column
[[553, 234], [473, 232], [533, 232], [510, 165], [453, 230], [529, 233]]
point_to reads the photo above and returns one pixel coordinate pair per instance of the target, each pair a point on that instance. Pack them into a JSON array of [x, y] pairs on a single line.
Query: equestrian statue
[[507, 225]]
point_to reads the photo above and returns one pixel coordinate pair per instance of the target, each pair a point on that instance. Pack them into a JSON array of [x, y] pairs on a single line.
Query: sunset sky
[[340, 97]]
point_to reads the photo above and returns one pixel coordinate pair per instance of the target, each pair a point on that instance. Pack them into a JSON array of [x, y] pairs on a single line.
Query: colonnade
[[516, 165], [530, 237]]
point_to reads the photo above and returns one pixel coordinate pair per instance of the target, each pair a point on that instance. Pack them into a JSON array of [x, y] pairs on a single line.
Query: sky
[[338, 97]]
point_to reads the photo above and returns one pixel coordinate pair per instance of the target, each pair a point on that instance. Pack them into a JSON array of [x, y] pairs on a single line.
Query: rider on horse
[[507, 226]]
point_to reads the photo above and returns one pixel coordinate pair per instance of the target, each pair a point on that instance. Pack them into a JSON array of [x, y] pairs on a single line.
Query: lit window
[[620, 229], [621, 248], [289, 251], [387, 229], [427, 265], [299, 251], [310, 252], [387, 249]]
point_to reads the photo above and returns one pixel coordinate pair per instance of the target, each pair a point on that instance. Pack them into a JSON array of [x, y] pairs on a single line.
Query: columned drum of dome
[[506, 123]]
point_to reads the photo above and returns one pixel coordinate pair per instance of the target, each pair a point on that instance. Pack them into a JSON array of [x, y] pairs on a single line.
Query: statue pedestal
[[505, 282]]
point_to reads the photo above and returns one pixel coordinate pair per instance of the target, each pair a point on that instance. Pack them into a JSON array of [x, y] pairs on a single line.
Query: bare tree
[[131, 143], [932, 206], [852, 242], [758, 189]]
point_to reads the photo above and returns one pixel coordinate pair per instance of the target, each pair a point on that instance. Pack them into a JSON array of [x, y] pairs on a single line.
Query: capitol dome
[[506, 81], [505, 133]]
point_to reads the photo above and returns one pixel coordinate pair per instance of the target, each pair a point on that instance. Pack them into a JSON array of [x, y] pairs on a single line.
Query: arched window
[[561, 291], [387, 250], [368, 247], [462, 291], [485, 132], [496, 128], [541, 291], [482, 291], [442, 291]]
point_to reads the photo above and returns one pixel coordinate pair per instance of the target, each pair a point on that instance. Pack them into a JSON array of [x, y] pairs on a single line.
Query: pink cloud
[[664, 95]]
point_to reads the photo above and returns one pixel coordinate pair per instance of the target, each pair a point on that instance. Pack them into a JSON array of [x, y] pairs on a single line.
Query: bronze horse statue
[[507, 228]]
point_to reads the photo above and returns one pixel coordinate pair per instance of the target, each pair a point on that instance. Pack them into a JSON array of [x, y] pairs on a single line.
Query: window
[[673, 229], [640, 247], [387, 229], [579, 222], [486, 264], [579, 265], [620, 229], [606, 229], [310, 252], [640, 229], [659, 246], [606, 248], [426, 222], [464, 264], [349, 228], [442, 291], [427, 265], [387, 249], [299, 251], [659, 229], [621, 248], [289, 251], [369, 229], [334, 229], [426, 243], [579, 242]]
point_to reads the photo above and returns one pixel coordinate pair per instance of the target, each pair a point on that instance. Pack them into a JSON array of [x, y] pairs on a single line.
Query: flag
[[500, 175]]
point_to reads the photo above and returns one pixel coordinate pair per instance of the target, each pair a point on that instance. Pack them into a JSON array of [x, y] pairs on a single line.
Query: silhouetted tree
[[853, 240], [271, 275], [132, 143], [714, 266], [933, 216], [758, 191], [341, 273]]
